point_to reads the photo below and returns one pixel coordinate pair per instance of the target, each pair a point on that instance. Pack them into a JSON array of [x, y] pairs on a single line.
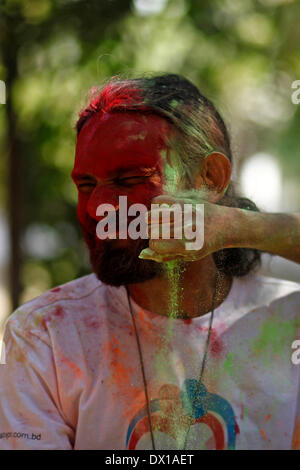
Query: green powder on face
[[171, 179]]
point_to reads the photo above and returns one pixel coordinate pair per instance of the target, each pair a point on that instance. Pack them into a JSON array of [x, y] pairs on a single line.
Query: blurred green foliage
[[244, 54]]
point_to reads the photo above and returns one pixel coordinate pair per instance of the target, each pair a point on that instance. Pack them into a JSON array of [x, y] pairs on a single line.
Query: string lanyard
[[202, 369]]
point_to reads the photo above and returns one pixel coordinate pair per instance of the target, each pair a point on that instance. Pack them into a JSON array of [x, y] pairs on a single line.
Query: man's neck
[[184, 291]]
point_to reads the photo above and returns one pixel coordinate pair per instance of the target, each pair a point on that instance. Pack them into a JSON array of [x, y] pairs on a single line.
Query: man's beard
[[120, 265]]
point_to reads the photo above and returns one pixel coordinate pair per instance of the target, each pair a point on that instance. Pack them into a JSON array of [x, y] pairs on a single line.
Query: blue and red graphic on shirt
[[172, 411]]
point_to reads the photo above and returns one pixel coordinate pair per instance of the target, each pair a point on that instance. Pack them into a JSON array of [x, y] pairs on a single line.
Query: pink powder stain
[[91, 323], [216, 345], [22, 420], [58, 312], [56, 289]]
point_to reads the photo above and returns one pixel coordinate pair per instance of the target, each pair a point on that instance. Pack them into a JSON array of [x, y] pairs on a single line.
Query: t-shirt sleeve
[[31, 416], [296, 433]]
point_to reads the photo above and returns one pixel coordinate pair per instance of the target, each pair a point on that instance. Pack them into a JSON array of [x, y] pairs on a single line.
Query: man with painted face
[[161, 347]]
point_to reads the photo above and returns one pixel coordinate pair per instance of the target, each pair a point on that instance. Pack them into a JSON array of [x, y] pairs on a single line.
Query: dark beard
[[119, 266]]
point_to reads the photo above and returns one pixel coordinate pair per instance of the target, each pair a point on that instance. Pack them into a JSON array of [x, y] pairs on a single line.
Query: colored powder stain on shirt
[[136, 401], [216, 345], [57, 312], [263, 434], [228, 367], [273, 336], [20, 356], [91, 323], [145, 321], [78, 374], [119, 364], [245, 413], [296, 436]]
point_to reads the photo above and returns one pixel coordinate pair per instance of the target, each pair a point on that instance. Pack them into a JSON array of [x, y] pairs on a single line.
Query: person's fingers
[[167, 246], [164, 199], [149, 254]]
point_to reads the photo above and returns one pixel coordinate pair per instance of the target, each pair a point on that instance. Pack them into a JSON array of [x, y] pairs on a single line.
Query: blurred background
[[243, 54]]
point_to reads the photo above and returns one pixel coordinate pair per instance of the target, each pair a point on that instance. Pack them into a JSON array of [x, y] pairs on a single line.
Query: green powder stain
[[228, 367], [174, 270], [245, 413], [273, 336]]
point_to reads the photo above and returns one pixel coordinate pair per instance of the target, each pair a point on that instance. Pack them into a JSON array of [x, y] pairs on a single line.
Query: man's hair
[[199, 130]]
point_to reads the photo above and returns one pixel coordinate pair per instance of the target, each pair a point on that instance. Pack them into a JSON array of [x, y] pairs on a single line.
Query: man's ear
[[214, 175]]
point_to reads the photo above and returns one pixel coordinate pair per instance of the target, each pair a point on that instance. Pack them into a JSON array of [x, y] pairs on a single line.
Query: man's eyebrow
[[82, 176], [147, 171], [143, 169]]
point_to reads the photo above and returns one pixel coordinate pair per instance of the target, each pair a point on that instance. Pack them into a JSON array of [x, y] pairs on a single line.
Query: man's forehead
[[121, 139], [131, 125]]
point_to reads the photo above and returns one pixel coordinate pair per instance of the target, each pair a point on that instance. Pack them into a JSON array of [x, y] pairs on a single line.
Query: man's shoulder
[[279, 287], [76, 292], [256, 290]]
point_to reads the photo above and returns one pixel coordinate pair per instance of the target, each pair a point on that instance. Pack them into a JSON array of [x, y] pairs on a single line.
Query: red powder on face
[[56, 289], [107, 149]]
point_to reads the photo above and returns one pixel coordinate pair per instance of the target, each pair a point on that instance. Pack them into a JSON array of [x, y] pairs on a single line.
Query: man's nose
[[101, 195]]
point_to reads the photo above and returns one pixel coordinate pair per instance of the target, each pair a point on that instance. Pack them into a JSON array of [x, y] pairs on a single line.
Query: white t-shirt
[[73, 379]]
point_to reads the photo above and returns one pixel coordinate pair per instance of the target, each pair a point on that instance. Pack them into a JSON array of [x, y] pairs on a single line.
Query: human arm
[[30, 413], [227, 227]]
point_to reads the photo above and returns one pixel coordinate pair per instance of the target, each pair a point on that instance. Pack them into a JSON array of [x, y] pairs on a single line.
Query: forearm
[[278, 234]]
